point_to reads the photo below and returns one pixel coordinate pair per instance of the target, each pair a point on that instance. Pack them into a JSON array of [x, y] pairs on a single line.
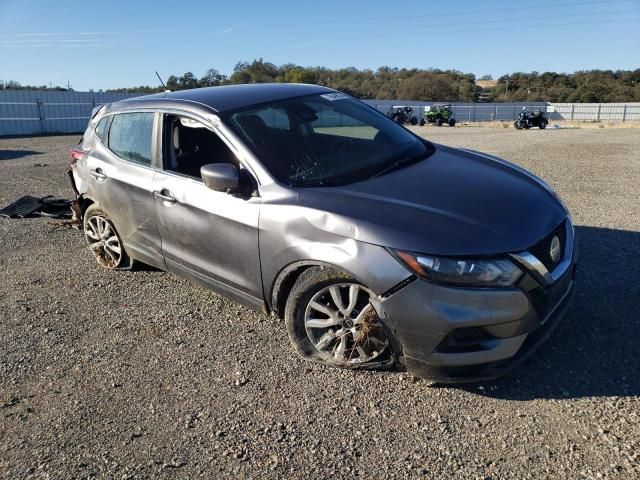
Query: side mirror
[[221, 177]]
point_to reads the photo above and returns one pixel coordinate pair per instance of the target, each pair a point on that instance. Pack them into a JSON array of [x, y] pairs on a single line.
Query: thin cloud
[[38, 40], [58, 34], [50, 45], [231, 29]]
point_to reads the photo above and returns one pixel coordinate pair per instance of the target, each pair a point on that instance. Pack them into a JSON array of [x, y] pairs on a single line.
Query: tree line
[[422, 84]]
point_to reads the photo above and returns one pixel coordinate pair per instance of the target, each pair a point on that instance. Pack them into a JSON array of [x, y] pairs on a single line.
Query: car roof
[[228, 97]]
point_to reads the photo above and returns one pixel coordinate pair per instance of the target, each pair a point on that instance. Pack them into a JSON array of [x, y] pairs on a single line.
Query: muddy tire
[[329, 320], [103, 240]]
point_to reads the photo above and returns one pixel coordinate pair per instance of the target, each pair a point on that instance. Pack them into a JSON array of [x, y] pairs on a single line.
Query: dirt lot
[[142, 374]]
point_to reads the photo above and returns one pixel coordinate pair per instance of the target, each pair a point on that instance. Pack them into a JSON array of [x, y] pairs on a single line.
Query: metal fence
[[33, 112], [488, 112]]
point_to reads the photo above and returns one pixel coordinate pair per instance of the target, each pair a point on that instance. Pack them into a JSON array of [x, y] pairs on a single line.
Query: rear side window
[[101, 129], [130, 136]]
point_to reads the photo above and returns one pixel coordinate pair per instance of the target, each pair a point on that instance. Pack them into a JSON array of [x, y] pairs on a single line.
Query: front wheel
[[518, 125], [439, 122], [330, 320], [543, 124], [414, 121], [452, 122], [422, 122]]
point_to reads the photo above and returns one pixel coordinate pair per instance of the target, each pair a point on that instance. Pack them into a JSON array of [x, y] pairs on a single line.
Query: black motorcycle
[[528, 119]]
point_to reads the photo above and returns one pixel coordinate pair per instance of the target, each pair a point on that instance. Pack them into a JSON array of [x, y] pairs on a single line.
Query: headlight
[[461, 272]]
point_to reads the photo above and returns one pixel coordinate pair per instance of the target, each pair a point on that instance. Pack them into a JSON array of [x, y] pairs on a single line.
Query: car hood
[[455, 202]]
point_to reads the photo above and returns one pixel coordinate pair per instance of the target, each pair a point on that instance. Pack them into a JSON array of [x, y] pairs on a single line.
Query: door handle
[[165, 197], [98, 174]]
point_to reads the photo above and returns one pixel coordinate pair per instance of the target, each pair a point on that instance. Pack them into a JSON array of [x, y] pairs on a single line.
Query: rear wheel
[[414, 121], [103, 240], [330, 320], [452, 122], [422, 122], [543, 124], [439, 122]]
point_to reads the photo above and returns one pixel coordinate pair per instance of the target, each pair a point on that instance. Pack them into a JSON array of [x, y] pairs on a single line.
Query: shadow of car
[[594, 351]]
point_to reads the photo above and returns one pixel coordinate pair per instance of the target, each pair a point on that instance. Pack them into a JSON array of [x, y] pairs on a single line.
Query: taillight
[[78, 154]]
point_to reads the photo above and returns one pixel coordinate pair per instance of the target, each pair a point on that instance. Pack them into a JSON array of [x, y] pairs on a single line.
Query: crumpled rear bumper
[[453, 335]]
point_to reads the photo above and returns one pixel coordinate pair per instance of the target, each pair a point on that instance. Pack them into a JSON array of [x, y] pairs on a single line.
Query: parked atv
[[439, 114], [528, 119], [402, 115]]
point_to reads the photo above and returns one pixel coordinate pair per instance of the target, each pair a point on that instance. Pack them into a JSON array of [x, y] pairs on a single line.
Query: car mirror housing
[[221, 177]]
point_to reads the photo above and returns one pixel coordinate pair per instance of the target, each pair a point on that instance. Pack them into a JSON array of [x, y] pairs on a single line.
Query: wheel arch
[[85, 202], [286, 278]]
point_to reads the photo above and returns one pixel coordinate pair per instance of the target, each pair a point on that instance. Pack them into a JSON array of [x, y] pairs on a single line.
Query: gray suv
[[376, 247]]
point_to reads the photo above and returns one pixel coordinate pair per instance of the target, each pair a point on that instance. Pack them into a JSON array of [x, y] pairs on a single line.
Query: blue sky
[[117, 43]]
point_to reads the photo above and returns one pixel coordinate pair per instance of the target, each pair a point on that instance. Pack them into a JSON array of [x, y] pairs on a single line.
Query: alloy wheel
[[343, 325], [103, 241]]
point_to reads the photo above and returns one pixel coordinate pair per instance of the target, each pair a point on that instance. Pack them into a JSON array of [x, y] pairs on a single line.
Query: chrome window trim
[[537, 268]]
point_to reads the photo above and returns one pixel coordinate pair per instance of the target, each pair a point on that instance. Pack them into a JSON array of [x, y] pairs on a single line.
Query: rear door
[[122, 167]]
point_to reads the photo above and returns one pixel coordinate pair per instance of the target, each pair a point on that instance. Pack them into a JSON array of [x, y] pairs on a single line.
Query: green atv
[[439, 114]]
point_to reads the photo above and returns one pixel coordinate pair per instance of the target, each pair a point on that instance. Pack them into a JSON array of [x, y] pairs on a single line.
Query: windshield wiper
[[397, 165]]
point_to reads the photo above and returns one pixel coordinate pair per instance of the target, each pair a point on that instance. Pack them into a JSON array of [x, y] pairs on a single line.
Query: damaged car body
[[377, 247]]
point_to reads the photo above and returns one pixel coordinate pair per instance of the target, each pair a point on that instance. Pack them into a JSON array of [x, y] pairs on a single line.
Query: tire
[[452, 122], [518, 125], [103, 240], [335, 336], [422, 122], [543, 124], [439, 122], [398, 119], [414, 121]]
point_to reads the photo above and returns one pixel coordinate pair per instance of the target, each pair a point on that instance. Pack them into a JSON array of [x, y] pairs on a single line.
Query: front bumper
[[453, 335]]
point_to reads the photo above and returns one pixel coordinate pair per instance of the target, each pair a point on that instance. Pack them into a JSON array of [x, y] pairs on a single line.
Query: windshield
[[328, 139]]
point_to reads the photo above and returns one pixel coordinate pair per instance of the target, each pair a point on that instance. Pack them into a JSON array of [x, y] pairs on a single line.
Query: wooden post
[[572, 106], [624, 112], [598, 116]]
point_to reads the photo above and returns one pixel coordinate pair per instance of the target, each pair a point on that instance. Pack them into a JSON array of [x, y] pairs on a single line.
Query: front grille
[[544, 299], [541, 249]]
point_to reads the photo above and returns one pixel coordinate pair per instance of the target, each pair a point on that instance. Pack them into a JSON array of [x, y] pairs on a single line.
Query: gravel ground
[[142, 374]]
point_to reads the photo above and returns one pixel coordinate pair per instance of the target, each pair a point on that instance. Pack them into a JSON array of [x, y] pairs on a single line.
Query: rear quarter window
[[101, 129], [130, 136]]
